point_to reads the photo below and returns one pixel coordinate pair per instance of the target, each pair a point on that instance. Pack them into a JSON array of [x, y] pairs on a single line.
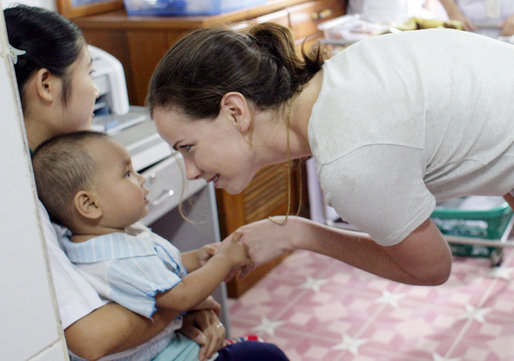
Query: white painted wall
[[29, 323]]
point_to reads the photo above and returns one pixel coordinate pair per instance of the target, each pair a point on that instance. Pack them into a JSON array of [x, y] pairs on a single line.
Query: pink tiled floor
[[316, 308]]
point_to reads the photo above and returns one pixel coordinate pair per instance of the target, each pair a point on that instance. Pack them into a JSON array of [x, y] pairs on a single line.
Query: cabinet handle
[[241, 26], [164, 195], [320, 15], [325, 13]]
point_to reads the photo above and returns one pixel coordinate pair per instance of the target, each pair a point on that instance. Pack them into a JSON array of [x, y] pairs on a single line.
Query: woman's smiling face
[[213, 149]]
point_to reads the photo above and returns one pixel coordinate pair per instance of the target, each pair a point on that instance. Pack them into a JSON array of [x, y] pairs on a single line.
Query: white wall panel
[[29, 323]]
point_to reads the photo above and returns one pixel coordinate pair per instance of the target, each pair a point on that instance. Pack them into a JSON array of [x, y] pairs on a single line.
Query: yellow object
[[416, 23]]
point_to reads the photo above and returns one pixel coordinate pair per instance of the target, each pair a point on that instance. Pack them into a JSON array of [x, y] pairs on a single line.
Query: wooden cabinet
[[265, 196], [140, 42]]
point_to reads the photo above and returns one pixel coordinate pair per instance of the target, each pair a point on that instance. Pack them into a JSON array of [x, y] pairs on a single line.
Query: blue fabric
[[251, 351], [134, 282], [117, 245], [129, 270], [180, 348], [184, 349]]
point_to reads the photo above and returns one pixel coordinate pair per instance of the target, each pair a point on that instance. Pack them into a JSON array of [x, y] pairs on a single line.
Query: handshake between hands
[[232, 249], [255, 243]]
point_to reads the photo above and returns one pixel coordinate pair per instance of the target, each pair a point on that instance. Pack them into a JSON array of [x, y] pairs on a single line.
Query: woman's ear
[[235, 106], [46, 85], [86, 205]]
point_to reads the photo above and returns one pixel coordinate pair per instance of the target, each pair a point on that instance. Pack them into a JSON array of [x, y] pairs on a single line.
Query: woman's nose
[[192, 171]]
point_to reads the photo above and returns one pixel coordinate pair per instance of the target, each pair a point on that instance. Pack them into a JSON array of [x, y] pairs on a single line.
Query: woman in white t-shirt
[[395, 123]]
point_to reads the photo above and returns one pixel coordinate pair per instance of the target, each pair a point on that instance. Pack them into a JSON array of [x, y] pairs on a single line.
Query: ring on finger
[[219, 325]]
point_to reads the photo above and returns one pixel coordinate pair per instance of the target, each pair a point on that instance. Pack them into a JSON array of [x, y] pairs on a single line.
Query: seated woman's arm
[[454, 13], [112, 328], [92, 328]]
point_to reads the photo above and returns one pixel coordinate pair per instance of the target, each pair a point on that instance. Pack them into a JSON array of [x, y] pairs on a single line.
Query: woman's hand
[[235, 252], [466, 23], [454, 13], [508, 26], [267, 240], [205, 328]]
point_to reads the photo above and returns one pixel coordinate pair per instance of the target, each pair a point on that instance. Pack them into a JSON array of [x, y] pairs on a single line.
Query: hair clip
[[14, 53]]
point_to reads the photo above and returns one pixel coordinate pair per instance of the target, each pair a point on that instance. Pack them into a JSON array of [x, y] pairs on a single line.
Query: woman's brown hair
[[210, 62]]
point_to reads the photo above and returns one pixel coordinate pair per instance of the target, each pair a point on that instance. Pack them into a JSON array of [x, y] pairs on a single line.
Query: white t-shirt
[[405, 120], [75, 297]]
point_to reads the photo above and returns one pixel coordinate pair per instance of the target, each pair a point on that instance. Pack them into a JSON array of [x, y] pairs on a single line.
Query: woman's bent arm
[[423, 258]]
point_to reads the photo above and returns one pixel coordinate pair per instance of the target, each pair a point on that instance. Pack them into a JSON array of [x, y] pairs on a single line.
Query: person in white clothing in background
[[493, 18]]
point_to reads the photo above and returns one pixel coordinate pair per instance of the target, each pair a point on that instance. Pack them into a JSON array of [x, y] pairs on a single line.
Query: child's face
[[120, 191]]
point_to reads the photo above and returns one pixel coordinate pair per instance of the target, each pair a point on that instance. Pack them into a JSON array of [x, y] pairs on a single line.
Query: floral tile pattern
[[318, 309]]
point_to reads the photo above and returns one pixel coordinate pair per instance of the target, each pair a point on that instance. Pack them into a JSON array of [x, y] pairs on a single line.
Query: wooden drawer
[[280, 17], [168, 186]]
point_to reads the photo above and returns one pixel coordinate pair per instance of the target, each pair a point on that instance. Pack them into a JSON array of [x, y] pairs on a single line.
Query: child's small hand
[[206, 252], [235, 250], [209, 304]]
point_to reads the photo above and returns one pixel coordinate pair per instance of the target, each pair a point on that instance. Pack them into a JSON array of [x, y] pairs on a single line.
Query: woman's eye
[[128, 173], [186, 147]]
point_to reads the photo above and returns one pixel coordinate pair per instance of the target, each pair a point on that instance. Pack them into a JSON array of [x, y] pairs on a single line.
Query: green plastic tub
[[473, 219]]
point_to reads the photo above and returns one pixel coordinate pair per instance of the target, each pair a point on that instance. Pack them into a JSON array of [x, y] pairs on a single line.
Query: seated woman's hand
[[460, 17], [205, 328]]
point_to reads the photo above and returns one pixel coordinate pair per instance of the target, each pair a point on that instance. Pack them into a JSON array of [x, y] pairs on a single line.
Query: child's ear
[[234, 104], [86, 205]]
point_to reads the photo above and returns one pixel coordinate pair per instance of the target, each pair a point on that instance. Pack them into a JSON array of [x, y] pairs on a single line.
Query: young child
[[87, 183]]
